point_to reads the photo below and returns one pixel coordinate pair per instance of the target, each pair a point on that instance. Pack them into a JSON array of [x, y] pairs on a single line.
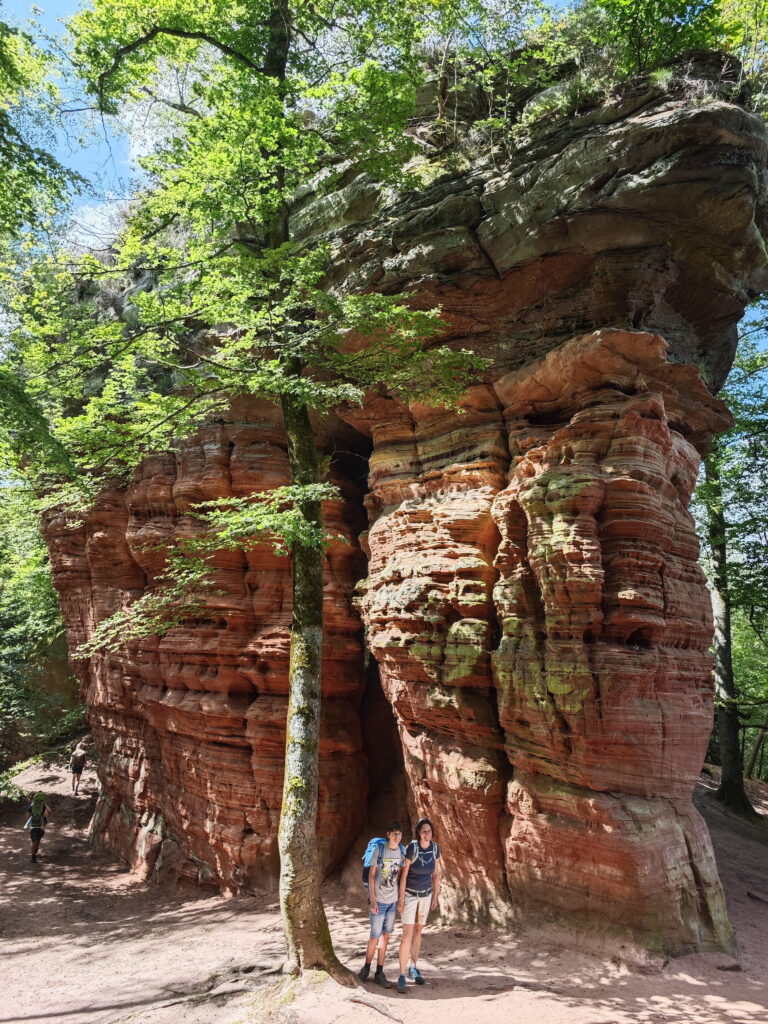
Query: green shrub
[[640, 35]]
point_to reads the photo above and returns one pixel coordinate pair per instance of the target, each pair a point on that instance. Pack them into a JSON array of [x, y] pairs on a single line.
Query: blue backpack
[[374, 846]]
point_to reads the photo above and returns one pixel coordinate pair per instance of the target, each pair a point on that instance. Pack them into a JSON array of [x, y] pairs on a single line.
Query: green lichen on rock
[[466, 650]]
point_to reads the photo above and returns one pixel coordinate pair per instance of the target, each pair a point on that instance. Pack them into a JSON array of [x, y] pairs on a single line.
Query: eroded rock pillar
[[554, 691], [428, 609]]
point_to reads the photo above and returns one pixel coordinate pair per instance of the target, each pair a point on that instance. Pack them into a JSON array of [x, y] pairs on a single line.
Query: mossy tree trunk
[[304, 920], [249, 153], [731, 790]]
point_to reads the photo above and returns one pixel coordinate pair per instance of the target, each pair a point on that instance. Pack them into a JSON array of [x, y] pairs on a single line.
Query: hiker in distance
[[76, 765], [39, 813], [419, 883], [383, 861]]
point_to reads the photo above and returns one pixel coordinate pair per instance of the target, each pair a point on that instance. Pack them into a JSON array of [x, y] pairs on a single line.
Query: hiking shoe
[[364, 971], [381, 980], [401, 984], [415, 975], [33, 858]]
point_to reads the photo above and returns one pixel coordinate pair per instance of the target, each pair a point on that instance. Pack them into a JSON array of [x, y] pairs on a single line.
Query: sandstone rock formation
[[534, 600], [532, 597], [191, 726]]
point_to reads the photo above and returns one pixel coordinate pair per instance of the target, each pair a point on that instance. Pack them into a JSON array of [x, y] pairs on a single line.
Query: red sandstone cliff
[[532, 597], [534, 603]]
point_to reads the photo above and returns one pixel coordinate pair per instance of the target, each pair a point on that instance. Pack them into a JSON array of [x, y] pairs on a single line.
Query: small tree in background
[[34, 183], [31, 635], [732, 504], [646, 34]]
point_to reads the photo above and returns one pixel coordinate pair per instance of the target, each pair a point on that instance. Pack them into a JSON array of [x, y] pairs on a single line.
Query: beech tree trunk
[[731, 790], [304, 920]]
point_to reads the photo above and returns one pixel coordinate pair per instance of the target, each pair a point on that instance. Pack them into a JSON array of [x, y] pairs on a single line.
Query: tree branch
[[178, 33], [756, 629], [182, 107]]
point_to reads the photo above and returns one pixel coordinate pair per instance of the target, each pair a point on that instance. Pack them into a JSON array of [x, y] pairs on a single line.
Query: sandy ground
[[84, 942]]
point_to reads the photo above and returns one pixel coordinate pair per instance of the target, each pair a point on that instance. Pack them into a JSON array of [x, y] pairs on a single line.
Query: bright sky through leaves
[[104, 159]]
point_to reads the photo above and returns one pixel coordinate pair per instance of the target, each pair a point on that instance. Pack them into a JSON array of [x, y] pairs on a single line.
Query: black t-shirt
[[423, 864]]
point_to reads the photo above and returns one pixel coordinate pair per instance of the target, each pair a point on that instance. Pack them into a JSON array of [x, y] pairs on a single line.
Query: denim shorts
[[384, 921]]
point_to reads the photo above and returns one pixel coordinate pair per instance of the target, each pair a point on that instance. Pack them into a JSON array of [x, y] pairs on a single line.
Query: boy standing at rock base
[[382, 898]]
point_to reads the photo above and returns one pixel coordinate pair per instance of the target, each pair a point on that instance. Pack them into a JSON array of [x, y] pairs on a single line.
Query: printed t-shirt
[[388, 863], [423, 864]]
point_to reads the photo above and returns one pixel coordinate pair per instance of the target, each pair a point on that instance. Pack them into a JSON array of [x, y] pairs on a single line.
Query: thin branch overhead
[[179, 33]]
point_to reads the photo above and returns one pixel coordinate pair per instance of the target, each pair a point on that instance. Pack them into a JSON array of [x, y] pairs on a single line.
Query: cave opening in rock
[[349, 459], [387, 785]]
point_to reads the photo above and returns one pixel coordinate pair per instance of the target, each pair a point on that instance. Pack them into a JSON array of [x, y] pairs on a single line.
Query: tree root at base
[[374, 1004]]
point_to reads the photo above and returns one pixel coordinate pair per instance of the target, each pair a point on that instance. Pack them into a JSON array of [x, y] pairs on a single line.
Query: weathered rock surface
[[191, 727], [534, 602], [532, 598], [646, 212]]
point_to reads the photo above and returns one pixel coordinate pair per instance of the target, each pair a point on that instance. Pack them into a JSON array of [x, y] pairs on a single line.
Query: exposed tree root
[[374, 1004]]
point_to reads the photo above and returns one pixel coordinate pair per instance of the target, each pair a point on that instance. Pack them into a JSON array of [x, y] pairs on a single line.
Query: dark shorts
[[36, 834]]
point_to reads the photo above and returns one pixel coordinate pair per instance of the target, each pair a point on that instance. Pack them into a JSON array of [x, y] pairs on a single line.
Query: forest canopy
[[90, 333]]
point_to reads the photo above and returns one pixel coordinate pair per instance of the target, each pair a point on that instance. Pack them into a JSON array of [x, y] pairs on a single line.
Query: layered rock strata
[[532, 596], [190, 728], [542, 627], [644, 212]]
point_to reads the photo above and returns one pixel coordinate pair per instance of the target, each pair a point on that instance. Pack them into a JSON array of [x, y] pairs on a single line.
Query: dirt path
[[83, 942]]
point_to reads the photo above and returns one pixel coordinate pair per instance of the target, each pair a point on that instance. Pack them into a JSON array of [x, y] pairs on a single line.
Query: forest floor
[[82, 941]]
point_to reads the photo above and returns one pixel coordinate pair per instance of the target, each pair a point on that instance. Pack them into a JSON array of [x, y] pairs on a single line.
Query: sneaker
[[381, 980], [401, 984], [364, 971], [415, 975], [34, 858]]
